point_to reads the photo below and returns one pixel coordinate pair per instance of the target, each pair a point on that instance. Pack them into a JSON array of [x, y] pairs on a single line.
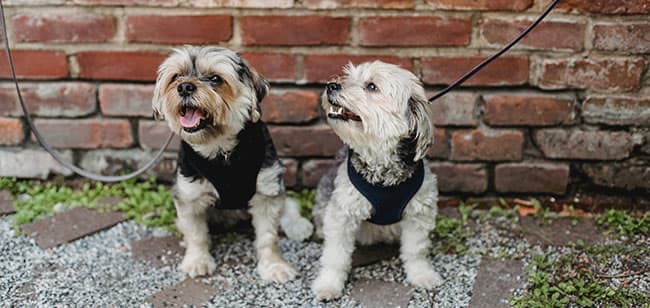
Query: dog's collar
[[388, 202]]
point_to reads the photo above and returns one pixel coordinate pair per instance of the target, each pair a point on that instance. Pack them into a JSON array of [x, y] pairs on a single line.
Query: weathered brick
[[296, 141], [117, 162], [27, 163], [548, 35], [375, 4], [187, 29], [629, 175], [86, 134], [486, 145], [528, 109], [614, 110], [126, 100], [455, 109], [290, 107], [625, 37], [469, 178], [32, 2], [607, 74], [414, 31], [282, 4], [607, 6], [321, 68], [165, 3], [295, 30], [74, 27], [11, 131], [36, 64], [531, 178], [58, 99], [440, 147], [588, 145], [506, 5], [273, 66], [152, 135], [313, 169], [505, 71], [291, 172], [119, 65]]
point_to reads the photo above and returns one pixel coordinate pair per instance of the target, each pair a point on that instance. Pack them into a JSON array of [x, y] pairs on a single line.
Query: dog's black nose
[[186, 88], [333, 87]]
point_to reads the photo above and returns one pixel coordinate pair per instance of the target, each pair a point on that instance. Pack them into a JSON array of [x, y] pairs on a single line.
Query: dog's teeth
[[340, 110], [331, 109]]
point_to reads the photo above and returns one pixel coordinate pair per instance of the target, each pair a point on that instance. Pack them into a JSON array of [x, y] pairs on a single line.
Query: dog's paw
[[425, 278], [297, 229], [200, 264], [280, 272], [327, 288]]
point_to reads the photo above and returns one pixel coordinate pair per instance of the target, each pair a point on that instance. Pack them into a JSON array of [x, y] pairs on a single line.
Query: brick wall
[[565, 114]]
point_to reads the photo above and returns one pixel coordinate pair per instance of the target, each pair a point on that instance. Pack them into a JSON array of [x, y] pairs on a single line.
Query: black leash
[[487, 61], [103, 178], [55, 154]]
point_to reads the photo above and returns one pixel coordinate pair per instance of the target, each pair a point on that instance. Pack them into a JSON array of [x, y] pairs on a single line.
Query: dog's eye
[[174, 77], [216, 79], [372, 87]]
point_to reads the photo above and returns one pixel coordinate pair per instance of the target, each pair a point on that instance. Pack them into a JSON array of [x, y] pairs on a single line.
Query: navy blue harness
[[388, 202]]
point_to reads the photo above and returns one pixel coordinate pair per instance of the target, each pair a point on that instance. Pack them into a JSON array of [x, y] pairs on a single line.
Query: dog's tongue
[[192, 118]]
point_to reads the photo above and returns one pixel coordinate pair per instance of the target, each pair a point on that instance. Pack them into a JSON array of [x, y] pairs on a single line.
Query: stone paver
[[560, 231], [6, 205], [379, 294], [367, 255], [109, 202], [189, 292], [494, 281], [70, 225], [158, 251]]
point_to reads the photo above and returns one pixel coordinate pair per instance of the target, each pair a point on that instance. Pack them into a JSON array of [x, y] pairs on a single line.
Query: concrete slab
[[381, 294], [159, 251], [494, 281], [6, 205], [189, 292], [560, 231]]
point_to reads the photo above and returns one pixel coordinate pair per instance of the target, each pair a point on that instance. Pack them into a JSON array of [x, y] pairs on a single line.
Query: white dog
[[227, 165], [383, 191]]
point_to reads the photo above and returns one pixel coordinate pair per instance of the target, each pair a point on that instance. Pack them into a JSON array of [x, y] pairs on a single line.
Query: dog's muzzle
[[337, 111], [186, 89]]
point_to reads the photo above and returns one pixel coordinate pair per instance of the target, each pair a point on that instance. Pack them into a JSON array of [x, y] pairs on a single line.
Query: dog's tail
[[293, 224]]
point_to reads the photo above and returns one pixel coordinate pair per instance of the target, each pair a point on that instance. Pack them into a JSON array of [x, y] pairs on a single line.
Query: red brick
[[486, 145], [548, 35], [625, 110], [469, 178], [440, 146], [273, 66], [119, 65], [509, 5], [629, 175], [375, 4], [129, 2], [31, 2], [126, 100], [189, 29], [59, 99], [606, 74], [627, 37], [11, 131], [528, 109], [243, 3], [291, 172], [152, 135], [588, 145], [507, 70], [312, 171], [321, 68], [455, 109], [36, 64], [86, 134], [63, 28], [290, 107], [531, 178], [299, 141], [607, 6], [295, 30], [414, 31]]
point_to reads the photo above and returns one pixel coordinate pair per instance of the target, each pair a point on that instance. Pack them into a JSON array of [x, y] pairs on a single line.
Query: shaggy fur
[[208, 96], [379, 110]]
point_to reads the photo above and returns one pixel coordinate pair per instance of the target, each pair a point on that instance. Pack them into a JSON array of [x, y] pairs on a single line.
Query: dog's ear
[[420, 125], [156, 100], [260, 86]]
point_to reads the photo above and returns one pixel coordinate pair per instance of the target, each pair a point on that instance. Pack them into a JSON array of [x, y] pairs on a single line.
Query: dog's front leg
[[265, 211], [339, 231], [414, 252], [192, 222]]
